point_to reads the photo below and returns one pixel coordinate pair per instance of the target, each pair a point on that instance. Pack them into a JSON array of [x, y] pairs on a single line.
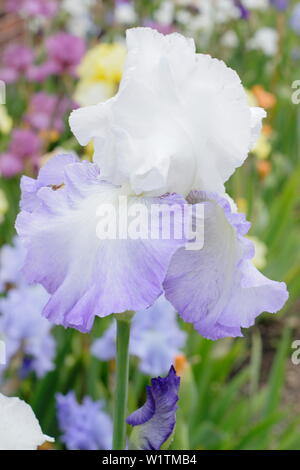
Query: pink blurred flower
[[65, 51], [8, 75], [48, 111], [16, 61], [39, 73], [45, 8], [24, 145], [10, 165], [161, 28]]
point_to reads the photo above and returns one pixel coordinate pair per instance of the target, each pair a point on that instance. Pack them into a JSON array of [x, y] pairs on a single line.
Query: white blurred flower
[[77, 8], [167, 129], [6, 121], [80, 20], [218, 11], [256, 4], [183, 16], [165, 14], [209, 14], [19, 428], [230, 39], [266, 40], [125, 13]]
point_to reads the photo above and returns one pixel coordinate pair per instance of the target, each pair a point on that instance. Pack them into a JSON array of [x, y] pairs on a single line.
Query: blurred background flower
[[156, 339], [100, 72], [84, 426]]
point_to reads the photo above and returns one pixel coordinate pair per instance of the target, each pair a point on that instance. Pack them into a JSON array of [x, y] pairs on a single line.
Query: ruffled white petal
[[180, 120], [19, 428]]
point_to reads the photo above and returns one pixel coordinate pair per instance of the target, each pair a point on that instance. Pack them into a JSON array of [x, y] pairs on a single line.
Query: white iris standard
[[180, 120]]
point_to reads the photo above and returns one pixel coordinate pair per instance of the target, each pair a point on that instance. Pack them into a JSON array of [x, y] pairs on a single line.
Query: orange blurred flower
[[267, 130], [264, 98], [264, 167], [181, 364]]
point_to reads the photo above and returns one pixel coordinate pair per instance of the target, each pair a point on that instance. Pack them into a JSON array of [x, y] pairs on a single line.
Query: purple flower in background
[[25, 143], [245, 13], [43, 8], [10, 165], [11, 261], [18, 57], [295, 19], [24, 329], [24, 146], [85, 426], [155, 338], [39, 73], [161, 28], [65, 52], [280, 4], [154, 423], [15, 62], [48, 111], [21, 324]]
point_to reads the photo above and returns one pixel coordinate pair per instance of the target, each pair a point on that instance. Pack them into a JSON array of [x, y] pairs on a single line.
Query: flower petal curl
[[218, 289]]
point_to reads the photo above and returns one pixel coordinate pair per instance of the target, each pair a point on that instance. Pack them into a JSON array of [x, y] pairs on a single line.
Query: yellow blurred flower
[[242, 204], [6, 121], [3, 205], [51, 135], [100, 72], [88, 93], [259, 259], [103, 62], [252, 101], [263, 147], [255, 97]]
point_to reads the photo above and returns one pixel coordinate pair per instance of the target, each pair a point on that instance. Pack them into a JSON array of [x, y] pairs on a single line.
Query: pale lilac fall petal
[[217, 288], [87, 276]]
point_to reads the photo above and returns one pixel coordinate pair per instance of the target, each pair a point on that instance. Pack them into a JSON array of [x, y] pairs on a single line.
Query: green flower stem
[[122, 372]]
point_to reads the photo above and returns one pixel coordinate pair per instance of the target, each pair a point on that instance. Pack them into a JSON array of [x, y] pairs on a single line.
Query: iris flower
[[174, 133], [85, 426], [21, 325], [155, 422]]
